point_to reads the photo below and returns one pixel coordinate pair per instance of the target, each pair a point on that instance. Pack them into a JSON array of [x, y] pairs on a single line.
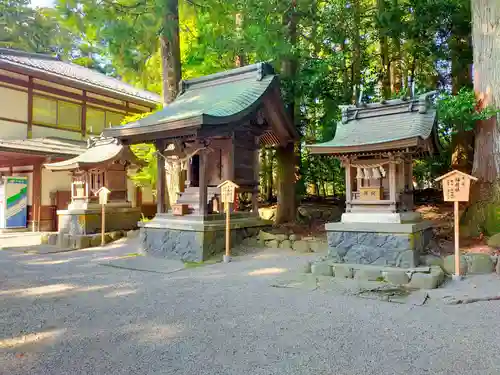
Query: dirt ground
[[441, 214]]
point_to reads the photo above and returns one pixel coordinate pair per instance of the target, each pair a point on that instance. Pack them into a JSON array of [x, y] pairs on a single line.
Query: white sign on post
[[456, 187], [227, 193], [103, 194]]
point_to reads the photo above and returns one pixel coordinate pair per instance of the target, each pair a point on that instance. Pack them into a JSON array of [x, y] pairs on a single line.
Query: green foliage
[[146, 175], [425, 43], [460, 112]]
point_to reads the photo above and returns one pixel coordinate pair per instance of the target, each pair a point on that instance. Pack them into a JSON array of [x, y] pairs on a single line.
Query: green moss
[[199, 264], [483, 217], [492, 223]]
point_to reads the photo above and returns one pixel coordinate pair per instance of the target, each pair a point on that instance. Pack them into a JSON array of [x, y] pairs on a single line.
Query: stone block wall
[[378, 248], [90, 222], [191, 245]]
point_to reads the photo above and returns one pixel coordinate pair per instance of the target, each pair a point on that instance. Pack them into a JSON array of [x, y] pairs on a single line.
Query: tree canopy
[[339, 52]]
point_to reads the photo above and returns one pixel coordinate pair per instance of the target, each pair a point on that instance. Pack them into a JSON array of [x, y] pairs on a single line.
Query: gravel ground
[[67, 314]]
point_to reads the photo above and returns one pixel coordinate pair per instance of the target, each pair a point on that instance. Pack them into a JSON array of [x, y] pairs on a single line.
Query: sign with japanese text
[[103, 194], [227, 191], [456, 186]]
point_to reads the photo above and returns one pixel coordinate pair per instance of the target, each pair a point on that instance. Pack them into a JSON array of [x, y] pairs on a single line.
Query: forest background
[[328, 53]]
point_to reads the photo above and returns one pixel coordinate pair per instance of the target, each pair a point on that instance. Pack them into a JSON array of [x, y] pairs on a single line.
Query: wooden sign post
[[456, 187], [103, 194], [227, 193]]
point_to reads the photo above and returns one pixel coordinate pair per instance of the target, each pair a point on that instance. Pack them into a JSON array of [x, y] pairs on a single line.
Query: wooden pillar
[[409, 182], [30, 109], [189, 173], [230, 159], [410, 174], [161, 178], [256, 169], [203, 184], [138, 196], [401, 168], [392, 185], [84, 115], [36, 198], [348, 185]]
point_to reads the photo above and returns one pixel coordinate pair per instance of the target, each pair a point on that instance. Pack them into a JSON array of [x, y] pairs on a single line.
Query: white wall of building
[[43, 132], [13, 104], [147, 195], [52, 182], [13, 130], [131, 190]]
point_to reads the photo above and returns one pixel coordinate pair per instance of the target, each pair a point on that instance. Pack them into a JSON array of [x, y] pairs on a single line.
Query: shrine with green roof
[[210, 133], [377, 144]]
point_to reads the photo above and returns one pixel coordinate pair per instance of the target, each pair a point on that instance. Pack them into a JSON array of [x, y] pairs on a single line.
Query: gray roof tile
[[393, 120], [213, 99], [45, 146], [70, 71]]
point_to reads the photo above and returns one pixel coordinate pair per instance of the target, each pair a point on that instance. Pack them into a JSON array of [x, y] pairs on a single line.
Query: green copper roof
[[380, 123], [220, 98]]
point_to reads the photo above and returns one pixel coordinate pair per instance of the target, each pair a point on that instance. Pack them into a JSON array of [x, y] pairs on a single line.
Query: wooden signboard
[[370, 193], [180, 209], [456, 188], [103, 194], [227, 192]]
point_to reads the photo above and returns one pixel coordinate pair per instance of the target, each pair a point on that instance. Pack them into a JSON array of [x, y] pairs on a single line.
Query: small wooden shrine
[[211, 133], [377, 144], [104, 163]]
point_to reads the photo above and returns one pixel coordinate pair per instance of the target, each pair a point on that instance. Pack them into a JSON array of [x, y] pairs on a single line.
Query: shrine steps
[[191, 197]]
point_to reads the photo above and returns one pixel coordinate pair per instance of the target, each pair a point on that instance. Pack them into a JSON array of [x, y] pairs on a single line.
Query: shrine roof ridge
[[420, 104], [227, 98], [388, 125], [258, 71]]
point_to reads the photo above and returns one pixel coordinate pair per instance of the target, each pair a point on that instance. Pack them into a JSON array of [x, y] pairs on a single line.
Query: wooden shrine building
[[211, 133], [377, 144], [103, 164]]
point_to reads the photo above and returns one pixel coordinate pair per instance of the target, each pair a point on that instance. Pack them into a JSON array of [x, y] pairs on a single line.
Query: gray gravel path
[[66, 314]]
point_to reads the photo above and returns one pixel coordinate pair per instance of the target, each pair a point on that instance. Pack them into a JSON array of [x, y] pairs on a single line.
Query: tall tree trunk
[[171, 71], [269, 175], [356, 54], [170, 51], [462, 141], [285, 155], [484, 213], [346, 87], [263, 172], [411, 78], [240, 55], [397, 58], [396, 73], [385, 72]]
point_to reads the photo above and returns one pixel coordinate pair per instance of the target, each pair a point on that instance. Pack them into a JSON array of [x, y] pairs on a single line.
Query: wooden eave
[[206, 125], [384, 146]]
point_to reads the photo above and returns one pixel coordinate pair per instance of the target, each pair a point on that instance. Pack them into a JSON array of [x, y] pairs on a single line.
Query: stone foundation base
[[387, 244], [412, 278], [80, 241], [195, 239], [77, 222]]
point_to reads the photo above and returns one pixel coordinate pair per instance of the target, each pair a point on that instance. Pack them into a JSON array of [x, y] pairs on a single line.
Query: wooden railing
[[356, 195]]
